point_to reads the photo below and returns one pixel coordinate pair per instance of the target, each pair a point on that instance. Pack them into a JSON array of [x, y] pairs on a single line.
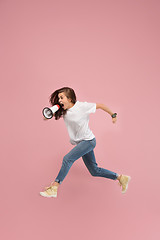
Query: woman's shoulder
[[82, 102]]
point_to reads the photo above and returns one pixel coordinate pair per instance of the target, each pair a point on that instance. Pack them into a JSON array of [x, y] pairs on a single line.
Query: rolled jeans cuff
[[116, 176], [58, 181]]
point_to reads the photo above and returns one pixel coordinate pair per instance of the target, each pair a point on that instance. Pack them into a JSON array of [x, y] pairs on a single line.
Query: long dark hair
[[69, 93]]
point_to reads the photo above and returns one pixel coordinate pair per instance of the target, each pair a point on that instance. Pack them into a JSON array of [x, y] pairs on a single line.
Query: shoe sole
[[48, 196], [129, 178]]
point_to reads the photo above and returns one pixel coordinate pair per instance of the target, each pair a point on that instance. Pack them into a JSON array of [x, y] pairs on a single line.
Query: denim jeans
[[84, 149]]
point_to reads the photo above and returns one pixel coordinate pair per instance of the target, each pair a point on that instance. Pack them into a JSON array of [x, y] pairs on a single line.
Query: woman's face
[[64, 101]]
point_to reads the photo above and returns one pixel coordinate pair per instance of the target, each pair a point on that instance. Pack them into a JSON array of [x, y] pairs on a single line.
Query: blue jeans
[[84, 149]]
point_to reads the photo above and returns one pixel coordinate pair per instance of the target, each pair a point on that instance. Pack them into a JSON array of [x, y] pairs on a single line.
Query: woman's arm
[[103, 107], [106, 109]]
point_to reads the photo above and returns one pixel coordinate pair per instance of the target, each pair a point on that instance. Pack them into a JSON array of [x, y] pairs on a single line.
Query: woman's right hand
[[45, 118]]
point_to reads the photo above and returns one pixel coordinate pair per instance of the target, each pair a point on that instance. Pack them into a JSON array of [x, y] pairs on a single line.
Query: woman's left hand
[[114, 120]]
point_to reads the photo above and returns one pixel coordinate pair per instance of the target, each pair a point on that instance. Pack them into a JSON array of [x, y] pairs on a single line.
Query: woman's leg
[[78, 151], [90, 162], [85, 150]]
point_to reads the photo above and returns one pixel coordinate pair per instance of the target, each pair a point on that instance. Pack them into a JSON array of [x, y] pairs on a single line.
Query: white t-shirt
[[76, 120]]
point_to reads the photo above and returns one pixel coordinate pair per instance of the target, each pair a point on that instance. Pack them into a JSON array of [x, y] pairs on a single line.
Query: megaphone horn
[[48, 112]]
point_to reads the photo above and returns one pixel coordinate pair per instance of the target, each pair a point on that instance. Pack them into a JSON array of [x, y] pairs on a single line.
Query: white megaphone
[[48, 112]]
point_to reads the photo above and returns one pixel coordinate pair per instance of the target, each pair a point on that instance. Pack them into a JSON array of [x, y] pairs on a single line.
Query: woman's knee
[[66, 160], [95, 172]]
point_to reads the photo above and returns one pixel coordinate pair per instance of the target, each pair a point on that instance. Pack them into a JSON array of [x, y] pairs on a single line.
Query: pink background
[[108, 52]]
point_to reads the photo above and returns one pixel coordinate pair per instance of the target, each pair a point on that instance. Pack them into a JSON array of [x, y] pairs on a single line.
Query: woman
[[76, 118]]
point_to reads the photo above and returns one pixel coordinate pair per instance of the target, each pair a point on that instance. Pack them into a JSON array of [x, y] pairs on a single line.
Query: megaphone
[[48, 112]]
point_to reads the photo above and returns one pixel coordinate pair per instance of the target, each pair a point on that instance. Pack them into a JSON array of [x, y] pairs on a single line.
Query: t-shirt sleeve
[[89, 107]]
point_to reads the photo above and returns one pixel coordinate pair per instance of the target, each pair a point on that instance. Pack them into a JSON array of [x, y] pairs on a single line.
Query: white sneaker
[[50, 192]]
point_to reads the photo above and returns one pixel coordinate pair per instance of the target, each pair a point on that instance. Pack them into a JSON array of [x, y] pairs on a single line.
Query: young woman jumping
[[76, 118]]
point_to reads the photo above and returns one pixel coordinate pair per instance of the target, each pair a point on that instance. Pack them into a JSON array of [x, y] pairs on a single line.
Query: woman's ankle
[[118, 178], [56, 184]]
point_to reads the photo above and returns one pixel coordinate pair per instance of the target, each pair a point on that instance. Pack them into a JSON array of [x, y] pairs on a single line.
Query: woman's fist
[[114, 120]]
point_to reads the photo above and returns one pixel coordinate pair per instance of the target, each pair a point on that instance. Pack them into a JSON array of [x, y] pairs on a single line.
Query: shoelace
[[50, 187]]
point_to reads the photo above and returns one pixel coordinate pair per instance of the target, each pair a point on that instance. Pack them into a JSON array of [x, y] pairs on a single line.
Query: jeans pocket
[[93, 142]]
